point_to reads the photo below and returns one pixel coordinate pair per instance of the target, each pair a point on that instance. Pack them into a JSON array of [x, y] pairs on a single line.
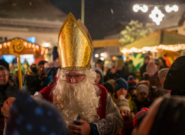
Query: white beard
[[78, 99]]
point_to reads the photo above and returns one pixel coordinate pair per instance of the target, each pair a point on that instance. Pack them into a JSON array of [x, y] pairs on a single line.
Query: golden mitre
[[74, 45]]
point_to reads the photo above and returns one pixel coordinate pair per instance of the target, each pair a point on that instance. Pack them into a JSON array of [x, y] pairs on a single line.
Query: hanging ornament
[[156, 15]]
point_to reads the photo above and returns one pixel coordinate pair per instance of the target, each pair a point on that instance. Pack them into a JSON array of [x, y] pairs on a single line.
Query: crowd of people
[[67, 97]]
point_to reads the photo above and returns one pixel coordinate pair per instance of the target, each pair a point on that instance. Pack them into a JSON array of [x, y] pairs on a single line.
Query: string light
[[170, 9], [33, 46], [102, 58], [8, 44], [102, 54], [155, 48], [156, 15], [143, 8], [96, 55]]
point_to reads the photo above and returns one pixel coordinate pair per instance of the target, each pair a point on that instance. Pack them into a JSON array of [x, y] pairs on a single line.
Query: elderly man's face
[[3, 77], [74, 77]]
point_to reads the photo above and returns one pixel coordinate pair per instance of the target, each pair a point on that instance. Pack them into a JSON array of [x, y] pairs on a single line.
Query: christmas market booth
[[17, 48], [156, 42], [29, 48]]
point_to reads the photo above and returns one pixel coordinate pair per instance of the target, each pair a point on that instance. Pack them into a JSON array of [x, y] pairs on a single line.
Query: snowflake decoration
[[156, 15]]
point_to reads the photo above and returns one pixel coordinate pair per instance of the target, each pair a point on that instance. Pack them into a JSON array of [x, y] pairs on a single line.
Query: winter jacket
[[32, 83]]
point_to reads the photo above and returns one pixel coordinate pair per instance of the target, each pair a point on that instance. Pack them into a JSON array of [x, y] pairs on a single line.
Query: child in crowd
[[121, 88], [142, 97], [124, 108]]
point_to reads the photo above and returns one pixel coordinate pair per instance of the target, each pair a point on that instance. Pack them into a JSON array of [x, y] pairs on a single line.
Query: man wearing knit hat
[[142, 97], [5, 64]]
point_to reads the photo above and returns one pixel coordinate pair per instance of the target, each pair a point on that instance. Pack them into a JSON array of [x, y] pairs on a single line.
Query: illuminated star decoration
[[156, 15]]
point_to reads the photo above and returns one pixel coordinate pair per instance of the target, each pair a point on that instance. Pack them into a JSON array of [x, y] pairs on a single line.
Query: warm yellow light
[[114, 58]]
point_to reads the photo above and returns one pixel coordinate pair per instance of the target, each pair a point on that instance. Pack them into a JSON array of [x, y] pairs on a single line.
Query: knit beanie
[[109, 87], [121, 83], [123, 103], [131, 83], [142, 88], [162, 73], [137, 117], [144, 82], [55, 53], [119, 63], [29, 117], [151, 67], [5, 64]]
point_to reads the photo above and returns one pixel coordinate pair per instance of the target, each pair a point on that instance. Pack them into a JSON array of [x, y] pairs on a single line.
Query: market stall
[[156, 42], [18, 47]]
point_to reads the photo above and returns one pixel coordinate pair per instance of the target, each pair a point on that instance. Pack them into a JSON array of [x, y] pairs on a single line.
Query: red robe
[[46, 93]]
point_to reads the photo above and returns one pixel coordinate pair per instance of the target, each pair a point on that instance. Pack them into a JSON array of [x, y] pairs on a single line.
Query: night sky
[[102, 17]]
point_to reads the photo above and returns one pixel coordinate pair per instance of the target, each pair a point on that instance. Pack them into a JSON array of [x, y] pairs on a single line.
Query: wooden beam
[[106, 43]]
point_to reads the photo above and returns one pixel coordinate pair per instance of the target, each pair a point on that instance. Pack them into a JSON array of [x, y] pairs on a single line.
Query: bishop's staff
[[16, 47]]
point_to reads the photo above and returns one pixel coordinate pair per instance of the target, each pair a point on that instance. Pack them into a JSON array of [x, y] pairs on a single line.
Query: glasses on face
[[3, 75], [74, 78]]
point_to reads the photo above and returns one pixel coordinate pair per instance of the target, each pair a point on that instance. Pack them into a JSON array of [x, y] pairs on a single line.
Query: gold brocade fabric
[[74, 47]]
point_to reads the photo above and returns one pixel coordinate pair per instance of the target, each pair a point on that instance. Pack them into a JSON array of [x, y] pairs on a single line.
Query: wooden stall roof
[[30, 48], [106, 43], [157, 38]]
